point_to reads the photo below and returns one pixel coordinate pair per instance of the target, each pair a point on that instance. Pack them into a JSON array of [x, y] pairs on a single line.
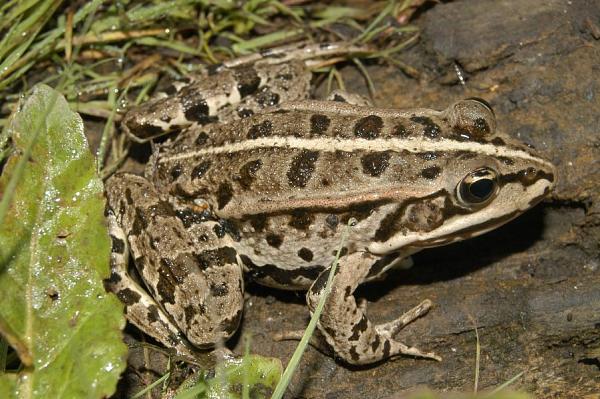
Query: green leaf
[[54, 254], [259, 374]]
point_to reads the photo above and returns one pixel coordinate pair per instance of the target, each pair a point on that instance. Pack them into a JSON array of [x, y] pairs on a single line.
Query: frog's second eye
[[478, 187]]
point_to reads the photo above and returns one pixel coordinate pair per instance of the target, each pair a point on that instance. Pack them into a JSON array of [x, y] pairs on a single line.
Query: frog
[[258, 180]]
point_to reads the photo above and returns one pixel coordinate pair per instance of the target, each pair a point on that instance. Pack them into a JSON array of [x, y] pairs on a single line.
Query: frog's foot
[[392, 328], [345, 325]]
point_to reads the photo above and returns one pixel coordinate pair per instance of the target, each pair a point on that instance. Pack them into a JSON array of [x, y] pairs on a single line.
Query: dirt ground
[[532, 287]]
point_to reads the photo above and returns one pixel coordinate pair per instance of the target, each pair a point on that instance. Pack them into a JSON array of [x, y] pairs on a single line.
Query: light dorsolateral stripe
[[331, 144]]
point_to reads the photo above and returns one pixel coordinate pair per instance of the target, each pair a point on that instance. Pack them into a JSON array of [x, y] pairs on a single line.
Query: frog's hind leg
[[195, 280], [141, 309], [312, 54], [345, 325]]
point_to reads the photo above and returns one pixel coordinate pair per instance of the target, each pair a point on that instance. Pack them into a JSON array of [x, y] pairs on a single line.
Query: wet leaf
[[258, 374], [54, 254]]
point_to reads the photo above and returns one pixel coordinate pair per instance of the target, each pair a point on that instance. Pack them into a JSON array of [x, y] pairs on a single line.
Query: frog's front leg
[[195, 279], [345, 325]]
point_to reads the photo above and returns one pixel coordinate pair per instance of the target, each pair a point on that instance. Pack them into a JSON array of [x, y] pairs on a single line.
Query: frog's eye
[[478, 187]]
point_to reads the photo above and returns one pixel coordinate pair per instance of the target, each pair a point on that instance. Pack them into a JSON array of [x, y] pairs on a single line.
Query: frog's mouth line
[[470, 232], [488, 225], [466, 226]]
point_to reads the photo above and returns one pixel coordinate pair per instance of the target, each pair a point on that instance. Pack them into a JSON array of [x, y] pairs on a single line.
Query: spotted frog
[[256, 178]]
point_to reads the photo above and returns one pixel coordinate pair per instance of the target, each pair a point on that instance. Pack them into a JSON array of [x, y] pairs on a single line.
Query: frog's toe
[[402, 349], [391, 328]]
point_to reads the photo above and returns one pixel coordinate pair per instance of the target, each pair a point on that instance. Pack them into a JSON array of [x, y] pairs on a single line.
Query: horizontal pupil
[[482, 188]]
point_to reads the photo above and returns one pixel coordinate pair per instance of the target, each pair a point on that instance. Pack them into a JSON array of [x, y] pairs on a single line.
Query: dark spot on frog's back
[[248, 80], [368, 127], [200, 169], [300, 220], [266, 98], [245, 112], [431, 172], [202, 138], [400, 131], [262, 129], [376, 163], [430, 129], [258, 221], [194, 108], [248, 173], [319, 124], [224, 195], [302, 167], [332, 221], [274, 240], [305, 254]]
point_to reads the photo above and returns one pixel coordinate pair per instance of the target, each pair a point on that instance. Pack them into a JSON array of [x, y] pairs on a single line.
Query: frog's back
[[321, 155]]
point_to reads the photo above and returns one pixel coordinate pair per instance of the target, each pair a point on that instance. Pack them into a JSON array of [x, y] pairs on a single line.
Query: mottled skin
[[271, 191]]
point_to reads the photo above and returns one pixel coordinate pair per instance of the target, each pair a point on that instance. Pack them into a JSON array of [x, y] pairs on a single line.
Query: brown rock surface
[[532, 287]]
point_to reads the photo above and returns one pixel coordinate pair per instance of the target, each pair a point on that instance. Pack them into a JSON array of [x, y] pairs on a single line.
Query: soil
[[530, 288]]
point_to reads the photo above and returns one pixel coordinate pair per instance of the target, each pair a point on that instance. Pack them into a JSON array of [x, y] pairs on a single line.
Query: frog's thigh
[[141, 309], [196, 280], [345, 325], [350, 98]]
